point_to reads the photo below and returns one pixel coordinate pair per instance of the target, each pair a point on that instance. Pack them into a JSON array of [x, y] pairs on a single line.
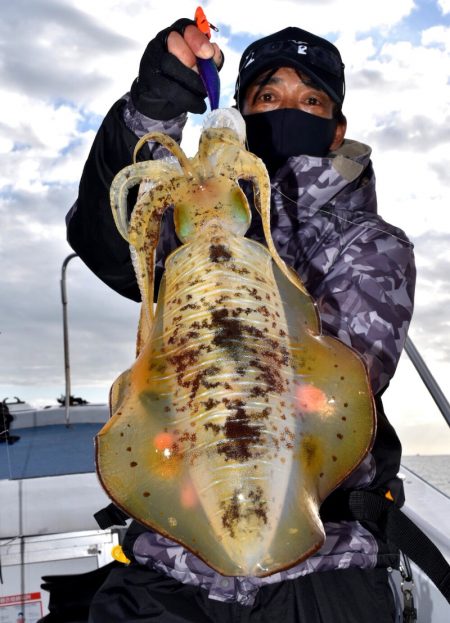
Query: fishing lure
[[238, 417], [207, 67]]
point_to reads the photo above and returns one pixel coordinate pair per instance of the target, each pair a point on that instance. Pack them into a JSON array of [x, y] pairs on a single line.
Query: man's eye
[[312, 101], [265, 97]]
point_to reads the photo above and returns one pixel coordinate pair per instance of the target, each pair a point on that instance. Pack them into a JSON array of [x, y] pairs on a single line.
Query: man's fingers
[[198, 42], [177, 46], [218, 56], [193, 44]]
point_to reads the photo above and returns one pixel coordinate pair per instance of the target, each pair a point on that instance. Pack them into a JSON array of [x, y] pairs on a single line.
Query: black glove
[[165, 87]]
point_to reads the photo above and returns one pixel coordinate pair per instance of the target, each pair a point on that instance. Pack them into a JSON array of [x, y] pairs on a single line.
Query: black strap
[[394, 527], [110, 516]]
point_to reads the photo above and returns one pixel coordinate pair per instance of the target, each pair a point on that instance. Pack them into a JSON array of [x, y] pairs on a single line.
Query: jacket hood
[[343, 180]]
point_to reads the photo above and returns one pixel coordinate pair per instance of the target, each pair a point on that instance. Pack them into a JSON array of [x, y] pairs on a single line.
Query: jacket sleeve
[[91, 230], [367, 299]]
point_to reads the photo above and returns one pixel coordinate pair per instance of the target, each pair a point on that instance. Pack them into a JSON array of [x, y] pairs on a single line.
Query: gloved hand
[[167, 84]]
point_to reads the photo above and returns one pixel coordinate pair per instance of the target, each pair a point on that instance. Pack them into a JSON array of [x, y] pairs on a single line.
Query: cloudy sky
[[64, 62]]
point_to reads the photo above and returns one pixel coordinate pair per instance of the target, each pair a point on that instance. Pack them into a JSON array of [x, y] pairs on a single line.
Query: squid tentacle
[[144, 231], [247, 166], [170, 144], [131, 176]]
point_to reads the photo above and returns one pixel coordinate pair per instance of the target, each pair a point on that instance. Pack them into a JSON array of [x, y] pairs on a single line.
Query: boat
[[50, 493]]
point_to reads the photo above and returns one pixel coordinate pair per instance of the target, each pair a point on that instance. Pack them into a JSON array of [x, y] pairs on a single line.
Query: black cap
[[297, 48]]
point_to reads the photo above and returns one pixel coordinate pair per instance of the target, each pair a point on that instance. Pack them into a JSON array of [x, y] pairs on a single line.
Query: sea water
[[435, 469]]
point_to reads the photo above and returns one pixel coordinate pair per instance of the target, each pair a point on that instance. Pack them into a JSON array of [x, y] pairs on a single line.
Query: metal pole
[[428, 379], [66, 335]]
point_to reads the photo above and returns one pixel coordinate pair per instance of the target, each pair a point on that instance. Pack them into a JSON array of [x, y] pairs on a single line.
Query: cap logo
[[273, 48], [249, 60]]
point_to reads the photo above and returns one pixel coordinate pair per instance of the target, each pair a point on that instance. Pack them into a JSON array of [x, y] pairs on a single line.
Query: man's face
[[286, 89]]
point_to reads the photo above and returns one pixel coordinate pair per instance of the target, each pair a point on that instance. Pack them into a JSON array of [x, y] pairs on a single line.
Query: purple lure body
[[210, 76]]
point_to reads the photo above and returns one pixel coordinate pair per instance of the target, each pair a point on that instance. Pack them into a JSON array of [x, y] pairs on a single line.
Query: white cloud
[[445, 5], [39, 131], [410, 408], [326, 16], [437, 35], [402, 109]]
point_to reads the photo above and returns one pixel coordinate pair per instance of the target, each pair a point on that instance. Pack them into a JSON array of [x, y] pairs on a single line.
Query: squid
[[238, 417]]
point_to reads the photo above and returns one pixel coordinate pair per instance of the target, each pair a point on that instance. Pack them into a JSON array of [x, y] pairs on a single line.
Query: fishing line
[[346, 220]]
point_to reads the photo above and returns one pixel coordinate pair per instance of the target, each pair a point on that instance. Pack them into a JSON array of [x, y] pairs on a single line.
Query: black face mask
[[276, 135]]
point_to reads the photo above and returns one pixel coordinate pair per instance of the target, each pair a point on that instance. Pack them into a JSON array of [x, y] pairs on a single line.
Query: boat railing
[[428, 379]]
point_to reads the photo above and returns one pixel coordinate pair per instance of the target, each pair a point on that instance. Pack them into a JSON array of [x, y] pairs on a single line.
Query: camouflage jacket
[[360, 271]]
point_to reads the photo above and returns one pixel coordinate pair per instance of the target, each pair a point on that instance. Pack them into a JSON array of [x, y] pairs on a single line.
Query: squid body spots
[[242, 508], [311, 454], [219, 253]]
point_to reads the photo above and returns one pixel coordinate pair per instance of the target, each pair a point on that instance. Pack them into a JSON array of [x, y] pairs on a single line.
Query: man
[[359, 269], [6, 420]]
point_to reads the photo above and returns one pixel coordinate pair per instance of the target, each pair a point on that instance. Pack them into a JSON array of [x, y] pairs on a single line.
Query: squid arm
[[247, 166], [142, 230]]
